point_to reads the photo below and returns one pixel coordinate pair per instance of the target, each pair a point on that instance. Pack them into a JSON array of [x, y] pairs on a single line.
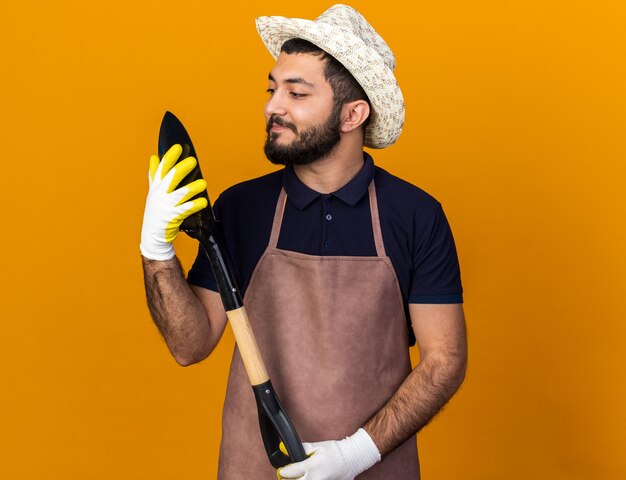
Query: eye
[[297, 95], [271, 91]]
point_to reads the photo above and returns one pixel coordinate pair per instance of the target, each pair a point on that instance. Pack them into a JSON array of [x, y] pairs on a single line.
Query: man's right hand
[[166, 206]]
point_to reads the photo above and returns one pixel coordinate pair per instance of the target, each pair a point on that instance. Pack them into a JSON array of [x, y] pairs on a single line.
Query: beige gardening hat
[[344, 33]]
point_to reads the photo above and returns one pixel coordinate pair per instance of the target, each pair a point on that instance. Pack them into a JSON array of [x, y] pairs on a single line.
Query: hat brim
[[362, 61]]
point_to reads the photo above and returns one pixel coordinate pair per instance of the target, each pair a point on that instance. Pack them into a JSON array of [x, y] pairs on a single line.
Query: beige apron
[[333, 335]]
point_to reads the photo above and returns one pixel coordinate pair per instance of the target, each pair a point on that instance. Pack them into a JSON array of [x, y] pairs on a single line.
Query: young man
[[333, 254]]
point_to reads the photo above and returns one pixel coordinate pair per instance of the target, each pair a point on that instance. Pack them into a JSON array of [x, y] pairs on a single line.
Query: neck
[[332, 172]]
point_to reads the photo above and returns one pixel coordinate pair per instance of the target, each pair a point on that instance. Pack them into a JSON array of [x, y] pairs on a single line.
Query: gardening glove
[[334, 460], [166, 206]]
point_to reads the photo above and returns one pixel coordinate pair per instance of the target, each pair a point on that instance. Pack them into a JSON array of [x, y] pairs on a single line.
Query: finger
[[280, 477], [299, 469], [310, 448], [186, 209], [154, 164], [191, 207], [180, 171], [170, 158], [193, 189], [293, 470]]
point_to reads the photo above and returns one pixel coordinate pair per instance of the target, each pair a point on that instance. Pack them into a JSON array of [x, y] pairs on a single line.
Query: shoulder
[[415, 219], [397, 194]]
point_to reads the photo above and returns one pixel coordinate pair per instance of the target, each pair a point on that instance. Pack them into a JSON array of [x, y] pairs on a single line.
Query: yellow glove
[[166, 206]]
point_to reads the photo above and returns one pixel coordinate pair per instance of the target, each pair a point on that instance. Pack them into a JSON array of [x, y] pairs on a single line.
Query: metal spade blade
[[173, 132]]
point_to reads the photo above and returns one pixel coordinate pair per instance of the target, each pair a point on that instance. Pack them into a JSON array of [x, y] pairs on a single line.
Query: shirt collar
[[301, 195]]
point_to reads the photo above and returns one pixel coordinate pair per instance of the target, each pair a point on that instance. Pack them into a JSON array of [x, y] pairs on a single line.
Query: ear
[[353, 114]]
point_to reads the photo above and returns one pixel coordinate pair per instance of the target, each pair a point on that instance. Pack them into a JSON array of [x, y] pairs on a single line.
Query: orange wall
[[516, 113]]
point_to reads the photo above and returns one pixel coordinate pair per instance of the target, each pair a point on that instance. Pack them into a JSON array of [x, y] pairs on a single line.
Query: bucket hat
[[345, 34]]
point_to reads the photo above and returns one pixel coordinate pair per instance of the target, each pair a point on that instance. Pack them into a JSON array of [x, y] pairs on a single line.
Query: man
[[333, 255]]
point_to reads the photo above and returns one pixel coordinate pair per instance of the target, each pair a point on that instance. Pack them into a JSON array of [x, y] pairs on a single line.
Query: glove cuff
[[362, 452], [164, 253]]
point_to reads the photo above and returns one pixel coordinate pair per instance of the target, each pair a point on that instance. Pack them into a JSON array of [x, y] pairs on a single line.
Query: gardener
[[343, 266]]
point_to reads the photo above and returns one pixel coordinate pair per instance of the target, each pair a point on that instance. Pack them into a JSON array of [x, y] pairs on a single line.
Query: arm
[[440, 334], [191, 319]]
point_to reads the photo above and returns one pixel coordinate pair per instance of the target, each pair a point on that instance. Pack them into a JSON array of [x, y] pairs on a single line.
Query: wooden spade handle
[[248, 347]]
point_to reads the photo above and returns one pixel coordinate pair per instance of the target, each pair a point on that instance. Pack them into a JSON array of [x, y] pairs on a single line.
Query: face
[[302, 125]]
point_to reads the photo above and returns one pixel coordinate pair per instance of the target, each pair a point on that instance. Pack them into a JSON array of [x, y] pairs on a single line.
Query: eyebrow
[[297, 80]]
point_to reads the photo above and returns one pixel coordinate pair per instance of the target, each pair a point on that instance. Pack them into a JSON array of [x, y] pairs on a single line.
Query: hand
[[166, 207], [334, 460]]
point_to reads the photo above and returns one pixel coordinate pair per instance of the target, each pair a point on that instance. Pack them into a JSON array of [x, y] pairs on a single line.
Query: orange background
[[516, 113]]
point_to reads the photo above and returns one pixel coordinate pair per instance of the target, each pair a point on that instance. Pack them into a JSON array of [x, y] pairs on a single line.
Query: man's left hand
[[334, 460]]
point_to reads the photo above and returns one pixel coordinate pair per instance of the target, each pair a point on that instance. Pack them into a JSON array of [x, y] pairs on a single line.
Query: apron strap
[[378, 234], [278, 218]]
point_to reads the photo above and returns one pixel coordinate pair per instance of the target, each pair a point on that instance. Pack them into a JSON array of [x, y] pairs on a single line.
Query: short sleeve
[[201, 273], [435, 276]]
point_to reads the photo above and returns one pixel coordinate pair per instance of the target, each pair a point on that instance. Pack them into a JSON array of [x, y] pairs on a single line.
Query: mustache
[[274, 120]]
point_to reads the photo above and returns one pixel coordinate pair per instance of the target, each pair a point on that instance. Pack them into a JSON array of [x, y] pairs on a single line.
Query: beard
[[309, 145]]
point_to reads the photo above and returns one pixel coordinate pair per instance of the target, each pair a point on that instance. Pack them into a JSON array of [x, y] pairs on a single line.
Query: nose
[[275, 105]]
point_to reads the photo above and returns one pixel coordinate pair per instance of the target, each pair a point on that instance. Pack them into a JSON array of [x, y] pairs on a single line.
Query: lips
[[276, 124]]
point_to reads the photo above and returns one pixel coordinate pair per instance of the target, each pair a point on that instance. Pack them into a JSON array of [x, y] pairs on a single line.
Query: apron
[[333, 335]]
